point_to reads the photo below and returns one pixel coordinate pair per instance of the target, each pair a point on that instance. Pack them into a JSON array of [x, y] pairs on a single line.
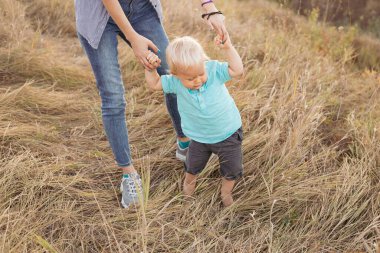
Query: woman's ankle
[[129, 169]]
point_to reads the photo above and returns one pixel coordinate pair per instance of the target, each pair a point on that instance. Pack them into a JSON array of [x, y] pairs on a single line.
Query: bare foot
[[189, 184], [227, 200], [188, 189]]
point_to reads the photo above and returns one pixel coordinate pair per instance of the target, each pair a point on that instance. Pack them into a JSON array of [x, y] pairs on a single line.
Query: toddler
[[209, 116]]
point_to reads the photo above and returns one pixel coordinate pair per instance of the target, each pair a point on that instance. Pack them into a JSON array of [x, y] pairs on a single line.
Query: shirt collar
[[200, 90]]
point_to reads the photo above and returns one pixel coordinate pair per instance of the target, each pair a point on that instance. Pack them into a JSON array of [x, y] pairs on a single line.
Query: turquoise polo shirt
[[209, 114]]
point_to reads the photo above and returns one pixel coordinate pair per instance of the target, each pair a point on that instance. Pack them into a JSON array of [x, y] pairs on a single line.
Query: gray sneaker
[[181, 153], [131, 188]]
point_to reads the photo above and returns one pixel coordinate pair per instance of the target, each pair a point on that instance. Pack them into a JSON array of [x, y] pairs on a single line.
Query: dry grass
[[51, 16], [362, 16], [311, 148]]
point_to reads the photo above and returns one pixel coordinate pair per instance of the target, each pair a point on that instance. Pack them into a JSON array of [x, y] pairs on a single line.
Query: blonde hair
[[184, 52]]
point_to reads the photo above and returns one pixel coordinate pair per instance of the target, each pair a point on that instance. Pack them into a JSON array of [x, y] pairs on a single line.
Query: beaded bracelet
[[207, 2], [210, 14]]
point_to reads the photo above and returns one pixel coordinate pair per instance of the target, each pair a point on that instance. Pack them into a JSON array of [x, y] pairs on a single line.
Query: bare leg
[[189, 184], [128, 170], [183, 139], [226, 192]]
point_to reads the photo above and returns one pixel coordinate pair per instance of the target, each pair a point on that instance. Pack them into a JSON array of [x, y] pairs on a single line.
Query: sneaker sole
[[123, 204], [134, 204], [180, 157]]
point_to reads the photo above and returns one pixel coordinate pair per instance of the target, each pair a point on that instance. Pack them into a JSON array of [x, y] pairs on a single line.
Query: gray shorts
[[229, 153]]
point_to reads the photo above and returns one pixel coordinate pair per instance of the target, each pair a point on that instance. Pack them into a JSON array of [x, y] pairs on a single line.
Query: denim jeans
[[105, 65]]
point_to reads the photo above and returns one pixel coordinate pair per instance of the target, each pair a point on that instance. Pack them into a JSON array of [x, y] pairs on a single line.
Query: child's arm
[[235, 64], [151, 76], [153, 79]]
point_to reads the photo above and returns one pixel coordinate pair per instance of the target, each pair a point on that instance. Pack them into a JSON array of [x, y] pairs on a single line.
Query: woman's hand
[[140, 46], [216, 23]]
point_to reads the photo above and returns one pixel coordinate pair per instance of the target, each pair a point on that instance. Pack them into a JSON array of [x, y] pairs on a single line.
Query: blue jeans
[[105, 65]]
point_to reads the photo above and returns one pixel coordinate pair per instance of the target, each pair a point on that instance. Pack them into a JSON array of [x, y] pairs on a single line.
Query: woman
[[138, 22]]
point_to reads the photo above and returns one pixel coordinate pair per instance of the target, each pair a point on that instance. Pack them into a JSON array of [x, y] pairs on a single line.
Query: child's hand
[[223, 43], [153, 59]]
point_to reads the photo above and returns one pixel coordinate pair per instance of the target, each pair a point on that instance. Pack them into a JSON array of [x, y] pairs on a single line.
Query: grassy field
[[311, 120], [363, 13], [361, 16]]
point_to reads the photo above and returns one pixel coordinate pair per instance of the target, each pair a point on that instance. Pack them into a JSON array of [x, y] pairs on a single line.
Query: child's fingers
[[218, 41], [155, 62], [209, 25], [150, 55], [152, 58]]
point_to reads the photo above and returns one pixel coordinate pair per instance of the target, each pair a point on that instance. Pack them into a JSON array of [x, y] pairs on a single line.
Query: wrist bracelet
[[207, 2], [210, 14]]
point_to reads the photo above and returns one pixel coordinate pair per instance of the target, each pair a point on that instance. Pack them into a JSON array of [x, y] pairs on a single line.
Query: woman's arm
[[216, 22], [140, 44]]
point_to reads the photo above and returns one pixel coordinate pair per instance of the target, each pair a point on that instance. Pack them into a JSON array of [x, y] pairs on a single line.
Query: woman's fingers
[[217, 24], [224, 30], [142, 63], [216, 27], [151, 45], [157, 63], [141, 50], [210, 24], [221, 30]]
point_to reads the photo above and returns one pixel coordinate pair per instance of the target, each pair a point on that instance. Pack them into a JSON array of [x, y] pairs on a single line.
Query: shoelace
[[132, 183]]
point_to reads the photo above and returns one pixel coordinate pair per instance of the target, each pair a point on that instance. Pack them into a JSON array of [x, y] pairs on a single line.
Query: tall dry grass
[[363, 13], [311, 147], [361, 16]]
